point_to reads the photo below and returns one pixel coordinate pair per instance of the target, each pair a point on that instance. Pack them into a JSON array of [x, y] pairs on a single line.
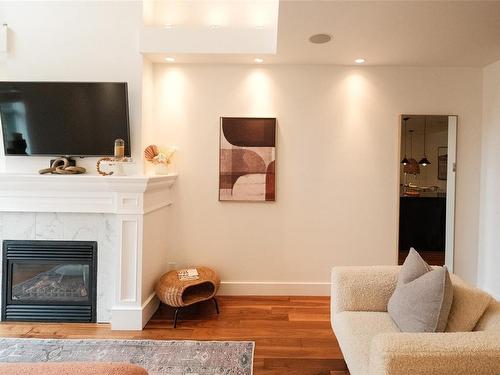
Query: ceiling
[[385, 33], [449, 33], [417, 123]]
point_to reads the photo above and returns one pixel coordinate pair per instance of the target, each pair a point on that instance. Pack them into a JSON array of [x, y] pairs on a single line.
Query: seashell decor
[[151, 152], [160, 158], [155, 155]]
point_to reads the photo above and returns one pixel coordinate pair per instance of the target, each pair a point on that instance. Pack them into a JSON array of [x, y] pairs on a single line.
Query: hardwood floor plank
[[308, 317], [295, 324]]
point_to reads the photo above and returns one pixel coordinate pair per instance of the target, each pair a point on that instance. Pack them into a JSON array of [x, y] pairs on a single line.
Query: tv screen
[[63, 118]]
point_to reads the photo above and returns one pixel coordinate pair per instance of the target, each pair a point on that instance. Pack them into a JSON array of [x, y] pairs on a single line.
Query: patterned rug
[[157, 356]]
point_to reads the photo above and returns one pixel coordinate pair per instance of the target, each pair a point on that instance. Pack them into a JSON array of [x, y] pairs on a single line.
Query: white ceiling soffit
[[403, 33], [210, 27]]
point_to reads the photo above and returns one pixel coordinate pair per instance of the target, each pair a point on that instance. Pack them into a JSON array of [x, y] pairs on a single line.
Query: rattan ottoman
[[183, 293]]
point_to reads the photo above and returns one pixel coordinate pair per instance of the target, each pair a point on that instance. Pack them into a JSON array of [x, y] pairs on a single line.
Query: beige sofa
[[372, 344]]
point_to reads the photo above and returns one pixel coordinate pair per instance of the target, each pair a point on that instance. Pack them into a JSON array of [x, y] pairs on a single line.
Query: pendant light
[[424, 161], [405, 160], [412, 167]]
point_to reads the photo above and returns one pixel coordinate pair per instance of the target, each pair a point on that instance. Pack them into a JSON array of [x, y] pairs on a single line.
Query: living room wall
[[489, 256], [337, 167], [74, 41]]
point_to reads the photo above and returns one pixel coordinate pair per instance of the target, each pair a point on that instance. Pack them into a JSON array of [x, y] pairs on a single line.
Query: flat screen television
[[63, 118]]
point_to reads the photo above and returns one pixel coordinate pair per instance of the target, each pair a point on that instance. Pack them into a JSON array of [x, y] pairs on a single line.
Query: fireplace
[[49, 281]]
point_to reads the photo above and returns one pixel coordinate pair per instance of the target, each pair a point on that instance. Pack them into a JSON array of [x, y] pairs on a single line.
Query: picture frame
[[247, 159], [442, 163]]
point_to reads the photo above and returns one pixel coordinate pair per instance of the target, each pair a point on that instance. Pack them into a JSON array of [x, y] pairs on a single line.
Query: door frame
[[450, 187]]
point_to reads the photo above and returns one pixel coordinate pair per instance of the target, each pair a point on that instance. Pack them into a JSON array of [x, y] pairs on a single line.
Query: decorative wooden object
[[182, 293], [98, 167], [113, 162], [61, 166]]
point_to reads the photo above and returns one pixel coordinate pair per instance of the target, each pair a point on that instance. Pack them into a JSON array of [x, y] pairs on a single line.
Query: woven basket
[[181, 293]]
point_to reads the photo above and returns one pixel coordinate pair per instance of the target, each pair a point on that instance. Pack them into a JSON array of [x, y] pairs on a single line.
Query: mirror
[[427, 187]]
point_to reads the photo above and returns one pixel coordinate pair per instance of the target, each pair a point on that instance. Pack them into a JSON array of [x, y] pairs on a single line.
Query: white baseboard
[[271, 288], [134, 318], [149, 307]]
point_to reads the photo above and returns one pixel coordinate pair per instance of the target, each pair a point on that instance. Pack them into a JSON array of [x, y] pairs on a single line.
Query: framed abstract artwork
[[442, 163], [247, 159]]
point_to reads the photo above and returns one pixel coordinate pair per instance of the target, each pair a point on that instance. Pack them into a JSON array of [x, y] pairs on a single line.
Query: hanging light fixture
[[424, 161], [412, 167], [405, 161]]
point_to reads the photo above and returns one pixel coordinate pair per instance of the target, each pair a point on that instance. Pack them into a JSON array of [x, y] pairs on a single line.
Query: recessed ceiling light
[[320, 38], [360, 60], [169, 59], [258, 60], [168, 26]]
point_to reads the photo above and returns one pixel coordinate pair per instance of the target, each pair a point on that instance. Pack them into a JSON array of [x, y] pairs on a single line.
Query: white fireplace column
[[139, 207]]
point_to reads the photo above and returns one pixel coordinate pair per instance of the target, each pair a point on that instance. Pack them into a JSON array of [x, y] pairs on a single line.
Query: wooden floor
[[434, 258], [292, 334]]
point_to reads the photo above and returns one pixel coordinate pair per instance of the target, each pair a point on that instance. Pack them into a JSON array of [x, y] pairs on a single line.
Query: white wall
[[337, 167], [74, 41], [489, 254]]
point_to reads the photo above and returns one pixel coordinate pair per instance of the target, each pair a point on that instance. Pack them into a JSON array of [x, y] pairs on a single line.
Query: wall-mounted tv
[[63, 118]]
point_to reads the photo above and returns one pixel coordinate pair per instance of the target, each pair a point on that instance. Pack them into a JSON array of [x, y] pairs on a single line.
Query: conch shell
[[151, 152]]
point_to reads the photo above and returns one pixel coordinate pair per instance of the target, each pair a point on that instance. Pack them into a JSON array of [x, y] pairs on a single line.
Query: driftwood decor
[[61, 166]]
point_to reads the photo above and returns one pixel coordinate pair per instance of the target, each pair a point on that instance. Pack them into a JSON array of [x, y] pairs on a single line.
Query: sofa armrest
[[364, 288], [435, 353]]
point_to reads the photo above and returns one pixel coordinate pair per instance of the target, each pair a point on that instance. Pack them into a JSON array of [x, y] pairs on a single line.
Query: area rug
[[159, 357]]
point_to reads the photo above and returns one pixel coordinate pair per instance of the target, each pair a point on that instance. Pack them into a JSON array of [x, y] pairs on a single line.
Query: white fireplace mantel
[[136, 203], [84, 193]]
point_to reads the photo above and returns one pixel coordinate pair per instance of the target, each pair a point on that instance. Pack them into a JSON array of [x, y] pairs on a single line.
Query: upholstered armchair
[[372, 343]]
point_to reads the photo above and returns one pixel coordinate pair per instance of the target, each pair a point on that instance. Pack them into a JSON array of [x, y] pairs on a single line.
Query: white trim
[[149, 307], [130, 237], [273, 288], [134, 318], [84, 193], [450, 193]]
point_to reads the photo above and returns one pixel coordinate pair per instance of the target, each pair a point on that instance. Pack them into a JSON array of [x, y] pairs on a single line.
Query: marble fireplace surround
[[116, 212]]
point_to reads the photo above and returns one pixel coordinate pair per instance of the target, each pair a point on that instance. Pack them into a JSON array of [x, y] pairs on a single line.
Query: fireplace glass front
[[49, 281]]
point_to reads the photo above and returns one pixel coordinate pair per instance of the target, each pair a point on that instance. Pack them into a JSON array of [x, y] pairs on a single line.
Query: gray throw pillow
[[423, 296]]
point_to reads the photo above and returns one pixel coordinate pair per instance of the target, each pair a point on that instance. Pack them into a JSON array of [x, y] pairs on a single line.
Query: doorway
[[427, 187]]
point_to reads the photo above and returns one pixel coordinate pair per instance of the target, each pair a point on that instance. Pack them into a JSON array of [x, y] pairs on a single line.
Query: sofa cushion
[[469, 304], [413, 267], [423, 296], [490, 321], [355, 331]]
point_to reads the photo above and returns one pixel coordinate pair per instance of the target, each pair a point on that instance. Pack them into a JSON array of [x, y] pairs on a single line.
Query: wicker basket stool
[[182, 293]]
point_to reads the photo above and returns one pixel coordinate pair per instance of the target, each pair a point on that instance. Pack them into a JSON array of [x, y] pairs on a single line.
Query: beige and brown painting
[[247, 159]]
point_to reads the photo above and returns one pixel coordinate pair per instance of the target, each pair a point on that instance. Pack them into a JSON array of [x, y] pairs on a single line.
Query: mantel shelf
[[137, 194]]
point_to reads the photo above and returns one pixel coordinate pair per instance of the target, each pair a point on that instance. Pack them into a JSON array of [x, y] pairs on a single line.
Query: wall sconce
[[4, 31]]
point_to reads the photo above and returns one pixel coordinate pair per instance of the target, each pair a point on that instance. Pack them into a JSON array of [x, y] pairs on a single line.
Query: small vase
[[161, 169]]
